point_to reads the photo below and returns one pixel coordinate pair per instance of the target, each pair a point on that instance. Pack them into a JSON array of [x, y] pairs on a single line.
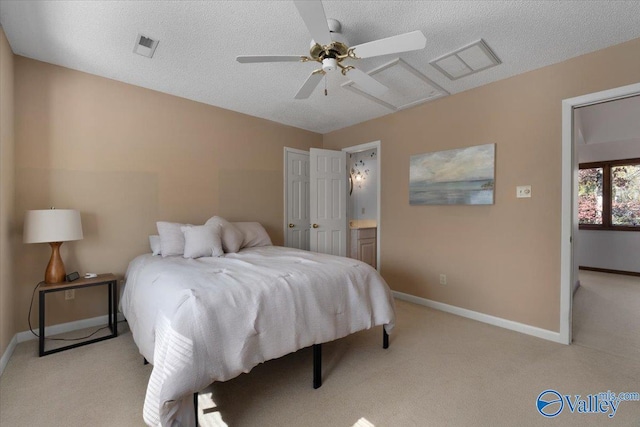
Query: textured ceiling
[[199, 41]]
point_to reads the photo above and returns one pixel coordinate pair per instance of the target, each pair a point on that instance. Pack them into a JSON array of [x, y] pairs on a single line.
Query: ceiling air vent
[[470, 59], [145, 46]]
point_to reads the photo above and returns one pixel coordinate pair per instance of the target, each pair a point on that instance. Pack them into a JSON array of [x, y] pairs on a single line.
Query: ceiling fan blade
[[366, 82], [401, 43], [268, 58], [308, 86], [312, 14]]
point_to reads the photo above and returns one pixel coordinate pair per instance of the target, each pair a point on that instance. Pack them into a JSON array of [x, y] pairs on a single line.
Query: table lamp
[[53, 226]]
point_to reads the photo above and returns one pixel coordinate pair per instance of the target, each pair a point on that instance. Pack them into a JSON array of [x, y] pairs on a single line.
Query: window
[[609, 195]]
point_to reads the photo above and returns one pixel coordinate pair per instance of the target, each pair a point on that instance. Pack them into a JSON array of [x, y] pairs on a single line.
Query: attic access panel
[[407, 86]]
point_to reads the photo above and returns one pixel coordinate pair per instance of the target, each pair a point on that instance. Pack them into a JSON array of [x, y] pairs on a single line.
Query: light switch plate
[[523, 191]]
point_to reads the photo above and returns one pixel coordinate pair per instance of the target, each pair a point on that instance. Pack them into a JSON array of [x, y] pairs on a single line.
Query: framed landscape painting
[[465, 176]]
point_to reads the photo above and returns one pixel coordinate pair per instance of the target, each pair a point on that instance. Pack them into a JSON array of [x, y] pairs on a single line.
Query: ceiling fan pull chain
[[325, 85]]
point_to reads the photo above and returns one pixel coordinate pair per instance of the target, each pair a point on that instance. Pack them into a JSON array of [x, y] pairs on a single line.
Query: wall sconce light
[[53, 226]]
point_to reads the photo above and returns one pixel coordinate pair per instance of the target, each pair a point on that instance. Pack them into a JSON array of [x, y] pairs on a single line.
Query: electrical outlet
[[69, 294], [443, 279]]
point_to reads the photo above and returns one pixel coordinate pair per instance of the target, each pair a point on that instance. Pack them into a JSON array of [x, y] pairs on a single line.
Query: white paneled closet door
[[297, 199], [328, 194]]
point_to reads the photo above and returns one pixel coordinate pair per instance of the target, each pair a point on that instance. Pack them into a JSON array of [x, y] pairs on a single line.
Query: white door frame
[[363, 147], [569, 189]]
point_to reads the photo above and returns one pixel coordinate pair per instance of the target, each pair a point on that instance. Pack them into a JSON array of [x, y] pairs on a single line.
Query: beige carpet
[[440, 370], [606, 313]]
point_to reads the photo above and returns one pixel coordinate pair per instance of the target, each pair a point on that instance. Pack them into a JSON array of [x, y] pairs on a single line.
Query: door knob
[[315, 226], [291, 225]]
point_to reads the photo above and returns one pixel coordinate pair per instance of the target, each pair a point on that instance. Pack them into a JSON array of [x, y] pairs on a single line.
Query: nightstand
[[108, 280]]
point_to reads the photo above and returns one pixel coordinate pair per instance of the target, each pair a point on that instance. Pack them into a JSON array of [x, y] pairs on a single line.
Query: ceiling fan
[[330, 48]]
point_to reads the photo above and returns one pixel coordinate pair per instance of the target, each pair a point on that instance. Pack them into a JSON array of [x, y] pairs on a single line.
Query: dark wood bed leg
[[195, 406], [317, 365], [385, 338], [146, 362]]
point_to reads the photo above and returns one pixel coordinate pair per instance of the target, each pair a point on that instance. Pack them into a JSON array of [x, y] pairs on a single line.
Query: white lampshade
[[52, 225]]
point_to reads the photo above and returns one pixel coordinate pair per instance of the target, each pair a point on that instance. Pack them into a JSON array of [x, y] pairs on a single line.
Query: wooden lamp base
[[55, 269]]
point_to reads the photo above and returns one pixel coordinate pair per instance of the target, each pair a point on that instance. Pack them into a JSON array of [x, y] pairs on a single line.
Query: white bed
[[210, 319]]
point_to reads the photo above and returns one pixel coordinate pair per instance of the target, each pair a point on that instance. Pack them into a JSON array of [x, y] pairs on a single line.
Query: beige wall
[[7, 325], [502, 260], [127, 157]]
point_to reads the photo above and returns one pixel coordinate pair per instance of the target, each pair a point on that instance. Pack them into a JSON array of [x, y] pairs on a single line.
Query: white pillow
[[231, 236], [254, 234], [154, 242], [171, 238], [202, 241]]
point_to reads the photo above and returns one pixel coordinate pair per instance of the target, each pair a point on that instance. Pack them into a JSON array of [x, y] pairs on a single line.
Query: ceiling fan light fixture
[[329, 64], [330, 48]]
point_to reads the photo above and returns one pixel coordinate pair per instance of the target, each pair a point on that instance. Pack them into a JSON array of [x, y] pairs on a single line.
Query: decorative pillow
[[171, 238], [154, 242], [202, 241], [254, 234], [231, 236]]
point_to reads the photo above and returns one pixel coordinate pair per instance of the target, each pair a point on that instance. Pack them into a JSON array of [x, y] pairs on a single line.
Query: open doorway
[[569, 230], [606, 304], [363, 196], [363, 167]]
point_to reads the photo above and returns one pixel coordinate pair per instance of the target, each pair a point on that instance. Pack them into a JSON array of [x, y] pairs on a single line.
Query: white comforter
[[211, 319]]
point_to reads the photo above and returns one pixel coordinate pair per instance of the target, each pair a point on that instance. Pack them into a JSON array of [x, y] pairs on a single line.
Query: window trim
[[607, 190]]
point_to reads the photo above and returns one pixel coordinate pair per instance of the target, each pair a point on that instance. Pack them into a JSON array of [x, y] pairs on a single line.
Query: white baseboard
[[7, 353], [481, 317], [67, 327], [52, 330], [470, 314]]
